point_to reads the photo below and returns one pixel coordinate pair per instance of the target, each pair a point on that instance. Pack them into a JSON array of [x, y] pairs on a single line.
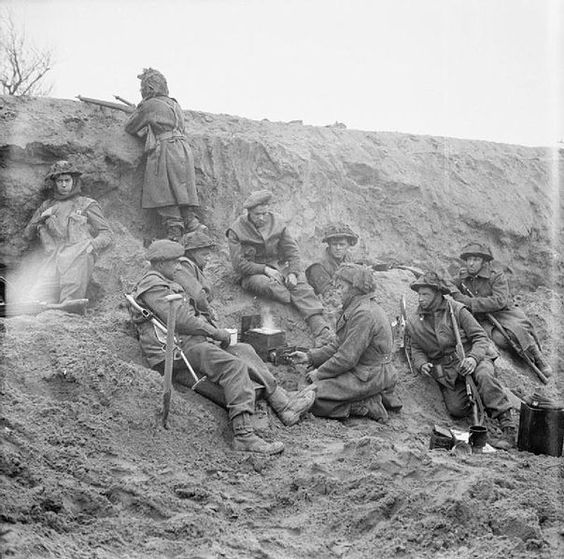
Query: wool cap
[[257, 198], [163, 249]]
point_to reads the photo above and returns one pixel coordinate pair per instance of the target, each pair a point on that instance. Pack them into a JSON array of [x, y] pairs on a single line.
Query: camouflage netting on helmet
[[62, 168], [360, 277], [338, 230], [152, 83]]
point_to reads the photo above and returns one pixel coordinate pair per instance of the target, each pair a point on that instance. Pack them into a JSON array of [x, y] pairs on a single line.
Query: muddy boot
[[507, 439], [372, 408], [540, 361], [291, 407], [391, 401], [321, 331], [246, 440], [175, 232]]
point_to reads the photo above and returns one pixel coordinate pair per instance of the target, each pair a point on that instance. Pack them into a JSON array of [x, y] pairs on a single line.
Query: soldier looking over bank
[[267, 260], [170, 181], [73, 232]]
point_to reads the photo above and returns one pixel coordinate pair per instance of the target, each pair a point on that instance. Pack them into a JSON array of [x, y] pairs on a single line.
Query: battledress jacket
[[194, 282], [191, 326], [362, 348], [492, 295], [170, 179], [320, 274], [433, 339], [74, 233], [252, 249]]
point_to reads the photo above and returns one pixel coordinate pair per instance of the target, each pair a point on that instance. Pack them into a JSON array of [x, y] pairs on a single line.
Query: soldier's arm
[[498, 300], [102, 233], [186, 320], [319, 279], [475, 333], [30, 232], [139, 119], [289, 251], [241, 264], [417, 352]]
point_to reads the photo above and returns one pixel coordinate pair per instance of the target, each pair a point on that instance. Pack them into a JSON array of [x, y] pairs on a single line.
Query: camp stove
[[264, 340]]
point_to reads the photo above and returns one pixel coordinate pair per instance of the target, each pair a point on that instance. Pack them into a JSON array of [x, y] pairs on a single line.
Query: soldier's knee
[[499, 340]]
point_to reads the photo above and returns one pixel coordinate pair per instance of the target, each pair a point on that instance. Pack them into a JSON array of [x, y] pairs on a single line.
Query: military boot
[[507, 439], [291, 406], [372, 408], [246, 440], [192, 223], [321, 331], [540, 361], [391, 401]]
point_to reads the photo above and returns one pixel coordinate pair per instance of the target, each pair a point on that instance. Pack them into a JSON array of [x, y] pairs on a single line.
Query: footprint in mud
[[127, 471], [134, 504]]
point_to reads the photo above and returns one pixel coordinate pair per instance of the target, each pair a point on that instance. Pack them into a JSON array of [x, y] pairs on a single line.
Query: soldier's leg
[[173, 221], [456, 399], [266, 287], [310, 307], [492, 394], [191, 219], [74, 280]]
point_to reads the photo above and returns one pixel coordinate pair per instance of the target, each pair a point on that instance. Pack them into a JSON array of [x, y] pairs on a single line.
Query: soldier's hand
[[312, 376], [274, 274], [48, 212], [291, 281], [223, 336], [426, 369], [467, 366], [299, 357]]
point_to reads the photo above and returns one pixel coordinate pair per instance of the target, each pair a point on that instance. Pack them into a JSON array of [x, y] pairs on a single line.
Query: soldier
[[170, 180], [236, 369], [433, 344], [354, 375], [339, 238], [483, 288], [267, 260], [73, 232]]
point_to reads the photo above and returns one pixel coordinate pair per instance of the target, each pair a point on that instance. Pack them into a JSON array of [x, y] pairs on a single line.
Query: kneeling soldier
[[236, 369]]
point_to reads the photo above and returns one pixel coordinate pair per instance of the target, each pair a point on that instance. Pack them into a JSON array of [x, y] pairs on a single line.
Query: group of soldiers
[[350, 370]]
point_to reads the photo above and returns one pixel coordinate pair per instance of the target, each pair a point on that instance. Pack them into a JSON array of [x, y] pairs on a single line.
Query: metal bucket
[[541, 430]]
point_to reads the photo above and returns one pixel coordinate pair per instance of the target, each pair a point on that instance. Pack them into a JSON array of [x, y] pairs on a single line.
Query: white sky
[[485, 69]]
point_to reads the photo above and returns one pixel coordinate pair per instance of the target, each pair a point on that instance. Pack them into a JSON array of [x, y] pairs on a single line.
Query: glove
[[223, 337]]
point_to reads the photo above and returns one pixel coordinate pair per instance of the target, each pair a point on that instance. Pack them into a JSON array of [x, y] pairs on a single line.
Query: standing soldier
[[170, 181], [433, 346], [236, 371], [72, 230], [485, 289], [354, 375], [267, 259]]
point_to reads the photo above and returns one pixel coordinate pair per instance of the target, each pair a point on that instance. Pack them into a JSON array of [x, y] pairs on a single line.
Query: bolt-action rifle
[[125, 108], [402, 335], [516, 347]]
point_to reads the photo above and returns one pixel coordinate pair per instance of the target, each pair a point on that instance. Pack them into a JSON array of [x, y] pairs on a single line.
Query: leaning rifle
[[403, 336], [516, 347], [148, 315], [471, 389], [108, 104]]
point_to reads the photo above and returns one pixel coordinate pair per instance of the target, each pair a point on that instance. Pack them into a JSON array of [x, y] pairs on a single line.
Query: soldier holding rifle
[[236, 371], [484, 289]]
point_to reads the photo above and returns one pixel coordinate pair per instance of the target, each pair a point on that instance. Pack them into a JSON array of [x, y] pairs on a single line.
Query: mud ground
[[87, 471]]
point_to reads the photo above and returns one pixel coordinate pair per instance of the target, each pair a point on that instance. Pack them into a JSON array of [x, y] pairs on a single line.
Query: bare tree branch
[[22, 66]]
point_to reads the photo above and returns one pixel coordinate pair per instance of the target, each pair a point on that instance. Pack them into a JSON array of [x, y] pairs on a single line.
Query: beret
[[257, 198], [163, 249]]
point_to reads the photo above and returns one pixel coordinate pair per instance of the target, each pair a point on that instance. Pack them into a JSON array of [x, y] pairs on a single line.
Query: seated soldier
[[483, 288], [72, 231], [267, 260], [236, 369], [433, 347], [354, 375]]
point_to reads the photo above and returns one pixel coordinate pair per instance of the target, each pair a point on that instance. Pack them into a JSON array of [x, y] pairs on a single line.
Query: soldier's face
[[474, 264], [168, 267], [64, 184], [342, 288], [338, 247], [258, 215], [202, 256], [426, 296]]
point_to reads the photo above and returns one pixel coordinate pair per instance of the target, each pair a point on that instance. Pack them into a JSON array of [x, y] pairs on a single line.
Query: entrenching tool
[[471, 390], [516, 347], [169, 354]]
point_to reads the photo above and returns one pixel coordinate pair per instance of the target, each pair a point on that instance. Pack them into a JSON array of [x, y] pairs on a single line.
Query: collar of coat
[[485, 272], [442, 306], [355, 301]]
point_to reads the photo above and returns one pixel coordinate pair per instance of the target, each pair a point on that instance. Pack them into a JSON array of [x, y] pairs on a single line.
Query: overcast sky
[[485, 69]]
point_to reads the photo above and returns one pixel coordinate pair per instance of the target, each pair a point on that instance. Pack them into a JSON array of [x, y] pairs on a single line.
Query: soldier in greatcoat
[[354, 375], [73, 232], [235, 371], [267, 260], [170, 181], [483, 288], [433, 348]]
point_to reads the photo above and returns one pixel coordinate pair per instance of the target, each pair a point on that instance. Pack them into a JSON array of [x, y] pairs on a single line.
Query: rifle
[[124, 101], [403, 336], [516, 347], [108, 104], [471, 389], [148, 315]]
